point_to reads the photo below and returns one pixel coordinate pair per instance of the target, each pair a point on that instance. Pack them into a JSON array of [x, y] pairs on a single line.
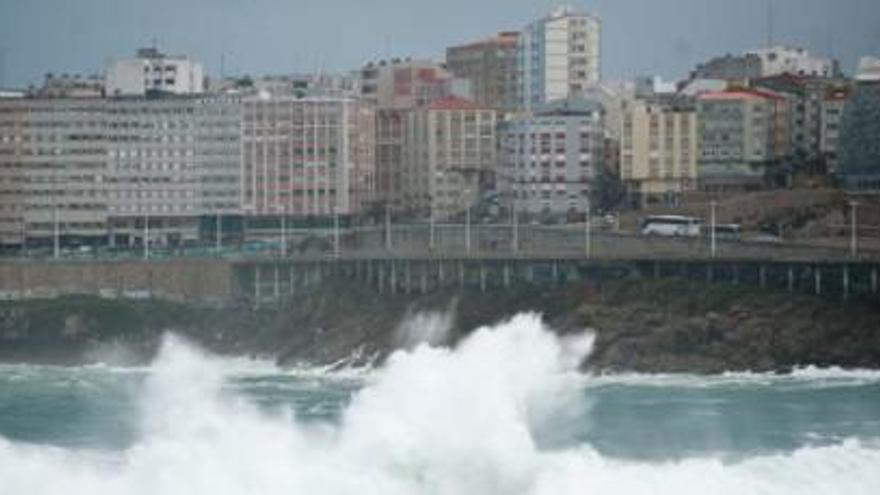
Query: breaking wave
[[430, 421]]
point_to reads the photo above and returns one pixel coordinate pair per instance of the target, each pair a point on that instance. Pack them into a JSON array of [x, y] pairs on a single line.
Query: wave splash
[[432, 421]]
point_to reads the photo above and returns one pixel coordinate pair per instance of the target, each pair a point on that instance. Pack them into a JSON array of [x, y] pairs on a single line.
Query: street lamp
[[853, 229], [588, 224], [713, 232]]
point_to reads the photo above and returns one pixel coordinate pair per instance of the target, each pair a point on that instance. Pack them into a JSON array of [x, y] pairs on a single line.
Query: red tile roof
[[454, 103], [739, 94]]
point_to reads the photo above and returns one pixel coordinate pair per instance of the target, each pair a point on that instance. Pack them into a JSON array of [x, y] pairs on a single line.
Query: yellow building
[[658, 150]]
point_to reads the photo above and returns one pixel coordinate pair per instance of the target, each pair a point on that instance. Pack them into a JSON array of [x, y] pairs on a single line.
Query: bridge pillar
[[482, 277], [461, 274], [710, 273], [874, 280], [506, 275], [380, 276], [555, 272], [440, 274], [530, 273], [369, 271], [424, 278], [790, 278], [845, 282], [817, 280], [393, 281], [407, 276], [735, 274], [762, 276], [276, 286], [656, 269], [291, 282]]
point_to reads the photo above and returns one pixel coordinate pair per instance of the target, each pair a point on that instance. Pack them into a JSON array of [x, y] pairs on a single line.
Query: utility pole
[[713, 227], [588, 235]]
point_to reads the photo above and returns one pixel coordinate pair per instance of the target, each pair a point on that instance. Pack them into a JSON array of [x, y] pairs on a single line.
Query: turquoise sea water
[[503, 413]]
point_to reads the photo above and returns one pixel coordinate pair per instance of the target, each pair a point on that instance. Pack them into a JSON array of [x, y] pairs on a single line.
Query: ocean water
[[504, 412]]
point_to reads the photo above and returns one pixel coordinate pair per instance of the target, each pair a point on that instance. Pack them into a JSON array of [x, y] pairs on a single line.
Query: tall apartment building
[[860, 136], [558, 57], [744, 138], [174, 162], [658, 152], [550, 161], [308, 157], [153, 71], [97, 169], [449, 157], [490, 66]]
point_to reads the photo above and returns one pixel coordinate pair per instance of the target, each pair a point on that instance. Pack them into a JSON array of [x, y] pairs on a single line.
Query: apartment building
[[658, 152], [406, 83], [96, 170], [307, 157], [860, 135], [558, 57], [448, 157], [550, 161], [152, 71], [490, 66], [744, 139]]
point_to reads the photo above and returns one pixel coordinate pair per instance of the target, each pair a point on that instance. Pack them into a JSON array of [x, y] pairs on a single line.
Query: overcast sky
[[664, 37]]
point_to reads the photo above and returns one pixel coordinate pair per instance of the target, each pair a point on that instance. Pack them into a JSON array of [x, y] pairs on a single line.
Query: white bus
[[671, 226]]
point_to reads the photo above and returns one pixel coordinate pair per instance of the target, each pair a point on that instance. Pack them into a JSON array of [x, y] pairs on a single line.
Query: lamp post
[[56, 234], [219, 232], [387, 226], [515, 224], [467, 222], [588, 224], [713, 246], [853, 229], [336, 251]]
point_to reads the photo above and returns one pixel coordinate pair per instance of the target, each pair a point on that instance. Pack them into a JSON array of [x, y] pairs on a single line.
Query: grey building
[[860, 138], [549, 163]]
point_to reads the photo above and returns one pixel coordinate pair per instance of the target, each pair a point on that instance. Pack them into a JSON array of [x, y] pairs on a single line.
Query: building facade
[[658, 151], [558, 57], [403, 84], [490, 66], [744, 139], [153, 71], [550, 162], [778, 60], [307, 157], [859, 147], [448, 157]]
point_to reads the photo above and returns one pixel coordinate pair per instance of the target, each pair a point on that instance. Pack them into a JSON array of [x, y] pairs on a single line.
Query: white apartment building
[[558, 57], [797, 61], [153, 71], [549, 162]]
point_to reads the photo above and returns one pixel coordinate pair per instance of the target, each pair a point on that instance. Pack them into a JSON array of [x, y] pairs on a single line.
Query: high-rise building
[[658, 153], [490, 66], [744, 138], [152, 71], [550, 161], [449, 157], [558, 57], [307, 157], [405, 84], [859, 147]]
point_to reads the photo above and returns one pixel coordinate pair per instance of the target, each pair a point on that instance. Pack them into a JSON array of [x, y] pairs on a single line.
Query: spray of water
[[432, 421]]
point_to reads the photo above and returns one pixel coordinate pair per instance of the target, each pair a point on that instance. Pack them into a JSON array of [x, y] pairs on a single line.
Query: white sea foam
[[431, 421]]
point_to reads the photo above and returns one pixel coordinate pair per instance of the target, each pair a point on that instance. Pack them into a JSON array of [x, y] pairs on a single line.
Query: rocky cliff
[[646, 326]]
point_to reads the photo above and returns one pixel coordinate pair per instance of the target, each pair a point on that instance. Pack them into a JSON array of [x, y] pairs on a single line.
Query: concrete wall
[[203, 281]]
